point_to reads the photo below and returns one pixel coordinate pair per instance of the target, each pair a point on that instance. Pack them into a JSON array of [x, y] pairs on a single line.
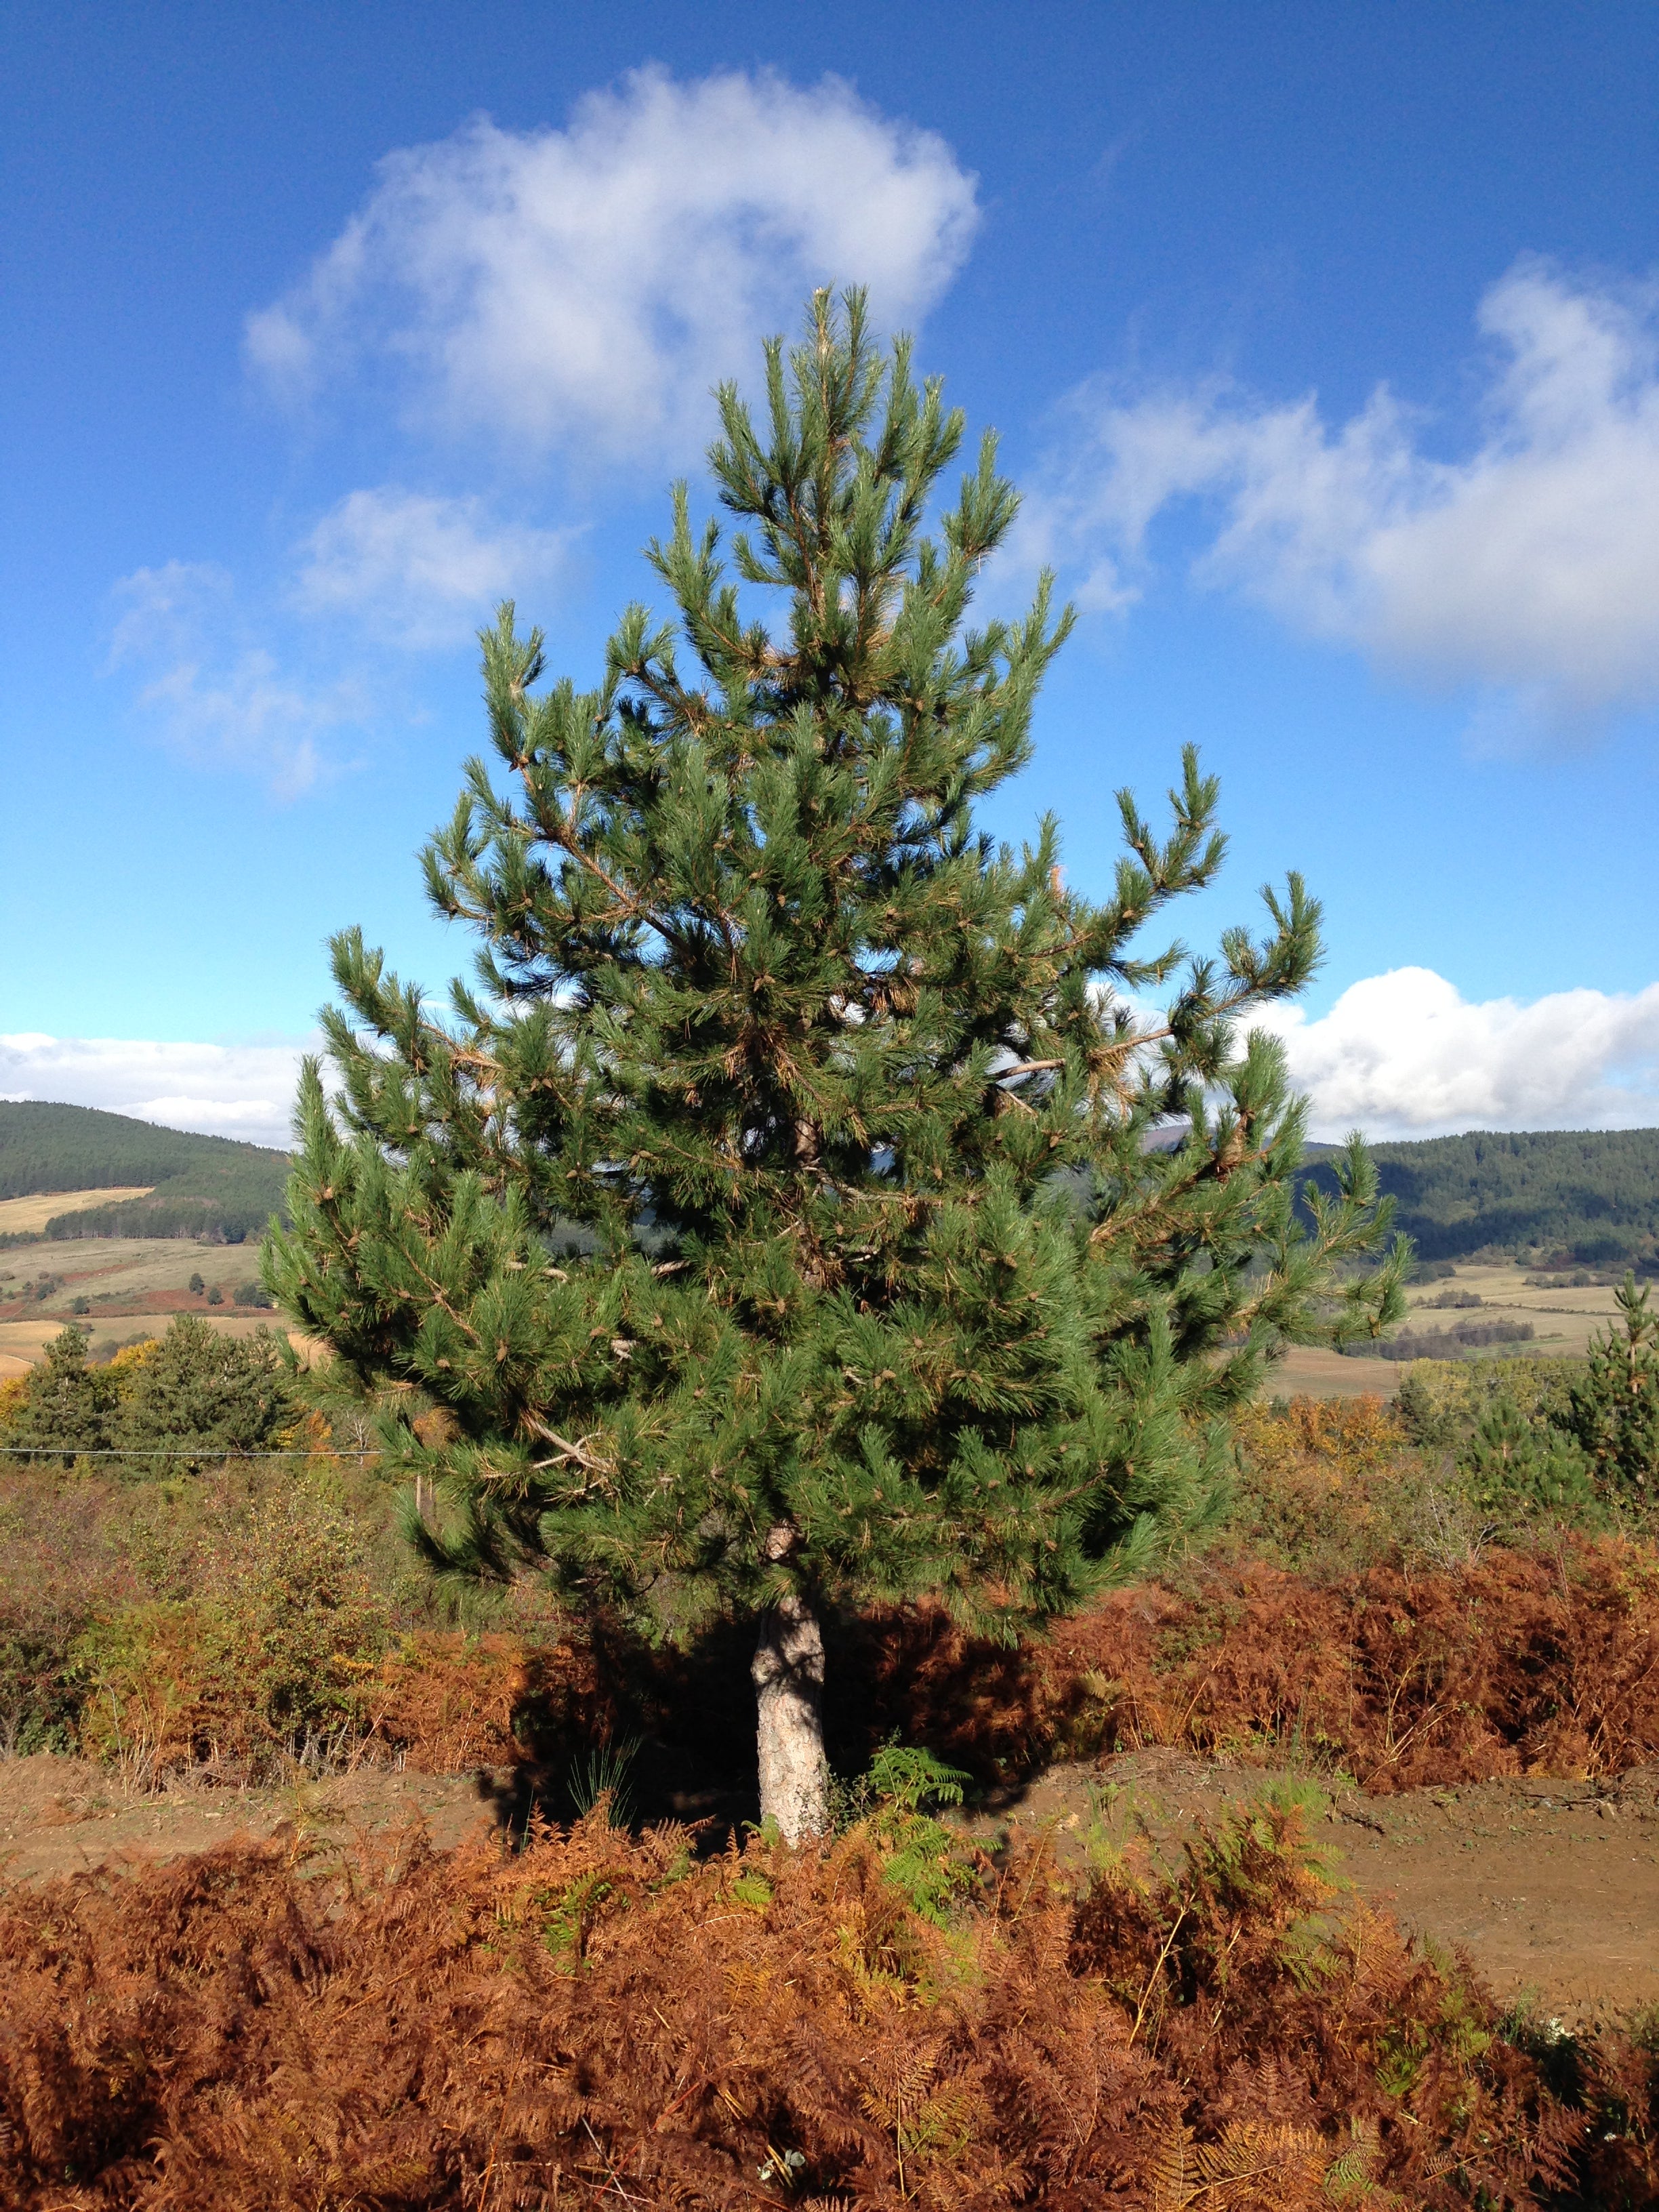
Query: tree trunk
[[789, 1678]]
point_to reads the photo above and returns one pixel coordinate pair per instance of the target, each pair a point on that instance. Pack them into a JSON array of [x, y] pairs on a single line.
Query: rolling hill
[[1584, 1197], [203, 1186]]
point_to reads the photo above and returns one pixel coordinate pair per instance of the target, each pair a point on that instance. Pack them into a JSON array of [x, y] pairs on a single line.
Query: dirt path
[[62, 1815], [1550, 1888]]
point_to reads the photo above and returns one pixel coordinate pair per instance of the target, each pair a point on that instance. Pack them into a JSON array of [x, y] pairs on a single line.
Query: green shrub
[[1522, 1472], [264, 1661], [204, 1395], [1440, 1404], [67, 1405], [1613, 1412]]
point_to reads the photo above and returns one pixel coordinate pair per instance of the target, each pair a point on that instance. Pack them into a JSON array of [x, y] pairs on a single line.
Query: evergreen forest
[[1581, 1197], [206, 1187]]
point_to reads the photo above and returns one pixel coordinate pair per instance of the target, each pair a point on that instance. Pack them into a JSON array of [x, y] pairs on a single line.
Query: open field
[[1562, 1320], [123, 1273], [132, 1283], [26, 1217], [1308, 1371], [23, 1342], [1565, 1320]]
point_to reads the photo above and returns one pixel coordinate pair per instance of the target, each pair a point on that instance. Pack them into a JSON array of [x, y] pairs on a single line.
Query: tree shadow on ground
[[686, 1710]]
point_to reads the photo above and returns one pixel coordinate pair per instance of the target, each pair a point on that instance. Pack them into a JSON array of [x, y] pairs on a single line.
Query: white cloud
[[1530, 568], [419, 570], [244, 1090], [216, 694], [1404, 1054], [587, 286]]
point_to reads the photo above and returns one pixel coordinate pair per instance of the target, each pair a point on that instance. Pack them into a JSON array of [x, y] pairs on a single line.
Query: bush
[[252, 1294], [1522, 1472], [1326, 1486], [1440, 1405], [1518, 1664], [62, 1558], [66, 1406], [1613, 1412], [201, 1395], [267, 1659]]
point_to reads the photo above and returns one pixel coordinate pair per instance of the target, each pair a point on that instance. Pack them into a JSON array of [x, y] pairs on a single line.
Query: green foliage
[[208, 1187], [1546, 1440], [808, 1059], [604, 1775], [67, 1405], [197, 1396], [1440, 1406], [203, 1395], [1522, 1472], [896, 1803], [1614, 1410], [1591, 1193]]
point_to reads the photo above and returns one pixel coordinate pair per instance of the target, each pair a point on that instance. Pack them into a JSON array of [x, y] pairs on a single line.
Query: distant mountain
[[1590, 1197], [208, 1187]]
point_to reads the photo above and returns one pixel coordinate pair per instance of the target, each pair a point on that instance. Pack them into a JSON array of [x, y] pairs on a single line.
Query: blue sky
[[1322, 341]]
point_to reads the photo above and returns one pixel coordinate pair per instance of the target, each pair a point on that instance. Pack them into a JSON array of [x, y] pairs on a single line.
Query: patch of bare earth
[[64, 1815], [1550, 1887]]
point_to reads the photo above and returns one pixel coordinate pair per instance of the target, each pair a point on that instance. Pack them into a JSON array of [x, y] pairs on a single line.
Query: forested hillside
[[1588, 1195], [202, 1186]]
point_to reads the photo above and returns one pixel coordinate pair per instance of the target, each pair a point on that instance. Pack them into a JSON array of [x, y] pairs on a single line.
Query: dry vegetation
[[673, 2018], [604, 2020], [26, 1217]]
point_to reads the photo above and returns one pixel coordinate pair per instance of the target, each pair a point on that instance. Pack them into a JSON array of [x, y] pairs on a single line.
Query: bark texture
[[789, 1678]]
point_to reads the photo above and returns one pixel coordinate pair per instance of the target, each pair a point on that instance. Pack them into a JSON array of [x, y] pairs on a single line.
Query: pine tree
[[201, 1395], [800, 1208], [1614, 1412], [68, 1407]]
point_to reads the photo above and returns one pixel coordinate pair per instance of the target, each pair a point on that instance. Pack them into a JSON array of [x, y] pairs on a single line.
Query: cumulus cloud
[[587, 285], [216, 694], [1405, 1054], [418, 570], [244, 1090], [1530, 567]]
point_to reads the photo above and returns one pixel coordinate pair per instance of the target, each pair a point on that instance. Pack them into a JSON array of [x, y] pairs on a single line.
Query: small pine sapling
[[1614, 1410], [801, 1208]]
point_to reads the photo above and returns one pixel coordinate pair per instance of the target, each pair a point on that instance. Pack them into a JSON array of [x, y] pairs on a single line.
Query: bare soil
[[64, 1815], [1550, 1888]]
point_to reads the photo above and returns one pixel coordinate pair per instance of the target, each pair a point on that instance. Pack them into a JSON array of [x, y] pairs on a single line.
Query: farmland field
[[23, 1342], [27, 1217], [1563, 1322], [131, 1285]]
